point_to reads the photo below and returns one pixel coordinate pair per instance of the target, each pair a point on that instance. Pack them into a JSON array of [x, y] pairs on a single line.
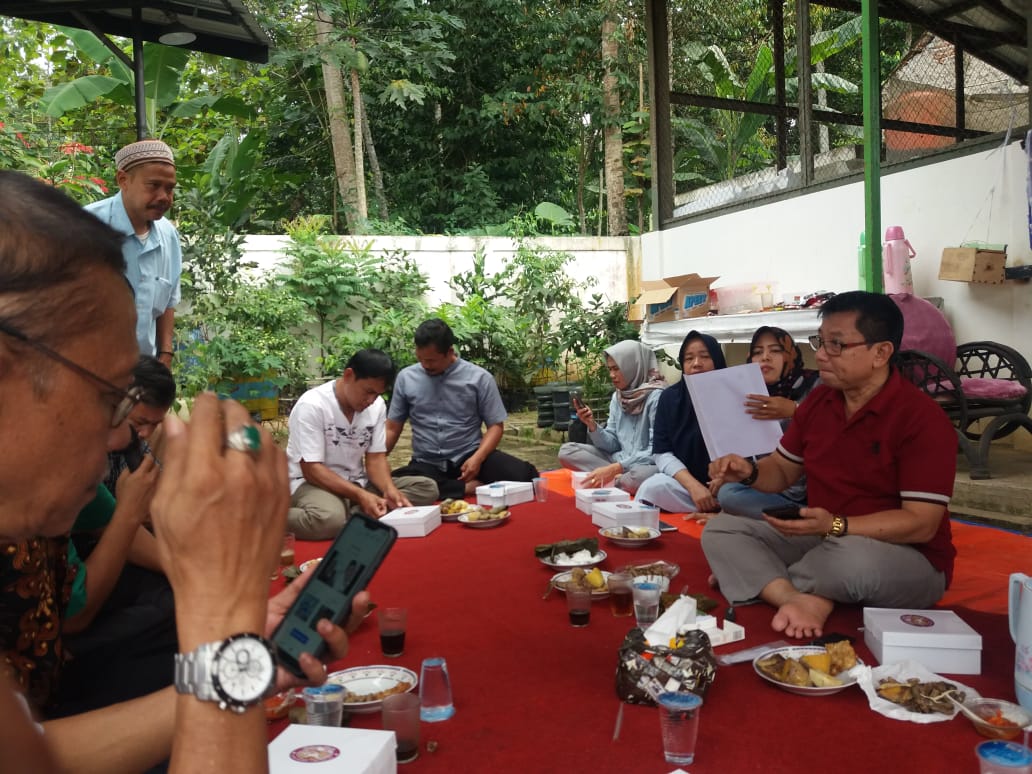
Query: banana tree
[[724, 146]]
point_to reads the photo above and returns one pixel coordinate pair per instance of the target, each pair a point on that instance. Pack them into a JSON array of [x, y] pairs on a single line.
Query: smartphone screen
[[784, 512], [346, 569]]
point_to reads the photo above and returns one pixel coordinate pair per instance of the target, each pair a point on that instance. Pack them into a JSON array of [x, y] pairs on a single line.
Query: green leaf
[[554, 214], [66, 97]]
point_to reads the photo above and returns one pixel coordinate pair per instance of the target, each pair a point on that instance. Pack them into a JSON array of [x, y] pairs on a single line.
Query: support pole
[[872, 268], [805, 91], [662, 149], [141, 99]]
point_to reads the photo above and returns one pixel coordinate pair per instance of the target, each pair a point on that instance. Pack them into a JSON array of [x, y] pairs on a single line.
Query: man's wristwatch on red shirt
[[839, 527]]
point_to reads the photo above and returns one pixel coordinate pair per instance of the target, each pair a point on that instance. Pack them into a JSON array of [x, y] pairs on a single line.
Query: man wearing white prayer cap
[[146, 177]]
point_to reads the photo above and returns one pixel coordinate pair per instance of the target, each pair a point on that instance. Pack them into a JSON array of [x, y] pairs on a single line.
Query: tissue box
[[313, 749], [624, 514], [505, 493], [414, 522], [939, 639], [587, 498]]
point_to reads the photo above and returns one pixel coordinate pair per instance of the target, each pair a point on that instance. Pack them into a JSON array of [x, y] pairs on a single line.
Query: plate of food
[[481, 519], [452, 509], [584, 558], [368, 686], [810, 670], [629, 537], [660, 573], [595, 579], [310, 563], [907, 690]]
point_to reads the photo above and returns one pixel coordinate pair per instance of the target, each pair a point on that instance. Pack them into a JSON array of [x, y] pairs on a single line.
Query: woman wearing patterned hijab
[[681, 457], [621, 449], [788, 382]]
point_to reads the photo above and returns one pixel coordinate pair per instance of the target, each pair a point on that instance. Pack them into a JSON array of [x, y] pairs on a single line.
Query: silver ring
[[245, 438], [765, 405]]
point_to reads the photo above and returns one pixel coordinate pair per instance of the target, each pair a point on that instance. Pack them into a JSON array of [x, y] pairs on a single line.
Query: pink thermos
[[896, 255]]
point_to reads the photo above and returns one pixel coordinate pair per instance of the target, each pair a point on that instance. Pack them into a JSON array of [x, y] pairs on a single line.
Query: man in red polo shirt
[[880, 458]]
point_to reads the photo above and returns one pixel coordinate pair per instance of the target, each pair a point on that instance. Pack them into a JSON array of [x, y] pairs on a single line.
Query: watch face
[[243, 670]]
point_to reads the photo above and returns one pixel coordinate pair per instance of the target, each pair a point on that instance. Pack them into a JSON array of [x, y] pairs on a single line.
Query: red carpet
[[535, 695]]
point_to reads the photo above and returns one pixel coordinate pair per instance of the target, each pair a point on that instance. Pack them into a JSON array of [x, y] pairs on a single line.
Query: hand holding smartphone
[[346, 569], [784, 512]]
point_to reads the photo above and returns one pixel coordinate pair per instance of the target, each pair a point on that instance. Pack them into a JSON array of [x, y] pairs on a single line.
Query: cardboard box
[[578, 477], [587, 498], [304, 749], [970, 264], [414, 522], [673, 298], [505, 493], [939, 639], [731, 632], [624, 514]]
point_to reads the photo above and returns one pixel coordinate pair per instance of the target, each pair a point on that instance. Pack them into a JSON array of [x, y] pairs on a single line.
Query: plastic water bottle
[[896, 255]]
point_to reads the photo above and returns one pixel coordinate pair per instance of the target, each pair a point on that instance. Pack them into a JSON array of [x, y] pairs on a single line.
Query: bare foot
[[802, 615], [713, 582], [471, 487]]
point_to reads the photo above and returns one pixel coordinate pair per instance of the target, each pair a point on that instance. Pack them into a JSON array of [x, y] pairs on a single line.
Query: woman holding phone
[[788, 382], [621, 449]]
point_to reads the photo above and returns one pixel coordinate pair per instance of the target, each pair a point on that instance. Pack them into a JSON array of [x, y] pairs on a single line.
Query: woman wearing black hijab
[[677, 443], [788, 382]]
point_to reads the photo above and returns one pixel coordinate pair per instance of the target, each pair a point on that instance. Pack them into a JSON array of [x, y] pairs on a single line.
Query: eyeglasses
[[127, 398], [833, 347]]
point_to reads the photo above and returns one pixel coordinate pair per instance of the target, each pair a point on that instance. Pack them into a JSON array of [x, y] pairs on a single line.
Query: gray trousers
[[316, 514], [745, 555], [585, 457]]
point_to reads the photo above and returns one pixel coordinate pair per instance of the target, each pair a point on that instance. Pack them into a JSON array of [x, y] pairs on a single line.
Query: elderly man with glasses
[[880, 458], [67, 352]]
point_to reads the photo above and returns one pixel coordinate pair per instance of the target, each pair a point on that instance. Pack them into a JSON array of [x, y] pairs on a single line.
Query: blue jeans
[[742, 500]]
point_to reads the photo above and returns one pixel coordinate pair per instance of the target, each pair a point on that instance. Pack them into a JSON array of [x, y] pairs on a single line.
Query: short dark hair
[[153, 376], [49, 246], [877, 316], [372, 364], [436, 332]]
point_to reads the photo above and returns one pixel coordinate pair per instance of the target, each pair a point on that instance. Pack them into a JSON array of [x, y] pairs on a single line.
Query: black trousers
[[498, 466]]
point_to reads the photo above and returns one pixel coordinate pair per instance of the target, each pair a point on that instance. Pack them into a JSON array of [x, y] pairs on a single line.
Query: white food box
[[938, 639], [415, 521], [587, 498], [731, 632], [505, 493], [578, 477], [624, 514], [302, 749]]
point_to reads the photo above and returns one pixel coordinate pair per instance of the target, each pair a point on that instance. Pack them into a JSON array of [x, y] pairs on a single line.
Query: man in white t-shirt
[[337, 452]]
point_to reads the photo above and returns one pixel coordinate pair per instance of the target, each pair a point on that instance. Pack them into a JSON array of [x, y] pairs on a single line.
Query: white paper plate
[[594, 561], [848, 678], [362, 681], [901, 672]]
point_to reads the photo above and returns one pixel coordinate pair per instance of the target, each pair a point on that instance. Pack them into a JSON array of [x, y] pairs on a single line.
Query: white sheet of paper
[[719, 400]]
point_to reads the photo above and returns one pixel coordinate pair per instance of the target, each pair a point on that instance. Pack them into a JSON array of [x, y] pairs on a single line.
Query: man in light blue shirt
[[146, 180], [448, 399]]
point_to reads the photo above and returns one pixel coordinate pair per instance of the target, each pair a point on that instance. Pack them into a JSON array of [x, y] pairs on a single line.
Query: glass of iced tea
[[621, 599], [287, 557]]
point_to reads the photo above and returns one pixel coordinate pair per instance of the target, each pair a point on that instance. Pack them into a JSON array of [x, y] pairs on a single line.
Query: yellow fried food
[[595, 578], [819, 661], [843, 656], [823, 679]]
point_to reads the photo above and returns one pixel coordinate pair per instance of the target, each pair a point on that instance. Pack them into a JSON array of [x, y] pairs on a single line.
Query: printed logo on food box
[[912, 619], [314, 753]]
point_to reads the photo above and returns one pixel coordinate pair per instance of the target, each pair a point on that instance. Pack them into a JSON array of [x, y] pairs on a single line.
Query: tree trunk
[[356, 109], [340, 135], [382, 211], [616, 207]]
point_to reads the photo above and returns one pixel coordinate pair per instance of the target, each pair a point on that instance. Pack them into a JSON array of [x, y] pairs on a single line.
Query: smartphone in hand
[[784, 512], [346, 569]]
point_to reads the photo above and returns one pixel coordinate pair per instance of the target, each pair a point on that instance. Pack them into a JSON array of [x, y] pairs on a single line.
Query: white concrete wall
[[605, 259], [810, 242]]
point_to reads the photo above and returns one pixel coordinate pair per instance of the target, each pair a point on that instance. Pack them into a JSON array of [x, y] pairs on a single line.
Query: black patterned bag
[[645, 671]]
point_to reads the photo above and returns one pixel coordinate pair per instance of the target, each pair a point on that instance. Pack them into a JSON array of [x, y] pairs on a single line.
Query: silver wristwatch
[[235, 672]]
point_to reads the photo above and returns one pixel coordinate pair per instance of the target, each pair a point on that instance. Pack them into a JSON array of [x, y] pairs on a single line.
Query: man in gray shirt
[[448, 400]]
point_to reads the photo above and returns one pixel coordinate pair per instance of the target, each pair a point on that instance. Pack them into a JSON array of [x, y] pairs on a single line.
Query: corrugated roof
[[223, 27]]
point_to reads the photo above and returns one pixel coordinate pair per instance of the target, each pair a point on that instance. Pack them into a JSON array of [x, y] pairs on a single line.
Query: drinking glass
[[435, 693], [646, 603], [679, 722]]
